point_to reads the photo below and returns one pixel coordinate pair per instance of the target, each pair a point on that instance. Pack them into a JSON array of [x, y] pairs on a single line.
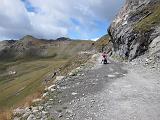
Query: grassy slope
[[31, 72], [75, 62], [68, 50], [150, 21], [102, 43], [27, 80]]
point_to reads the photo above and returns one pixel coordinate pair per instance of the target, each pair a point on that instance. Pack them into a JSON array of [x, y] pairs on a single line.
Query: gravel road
[[114, 91]]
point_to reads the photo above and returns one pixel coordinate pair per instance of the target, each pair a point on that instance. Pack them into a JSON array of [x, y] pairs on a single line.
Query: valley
[[27, 80], [23, 75], [67, 79]]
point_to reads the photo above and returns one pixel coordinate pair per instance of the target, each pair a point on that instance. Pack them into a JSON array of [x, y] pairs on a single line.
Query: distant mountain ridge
[[29, 46]]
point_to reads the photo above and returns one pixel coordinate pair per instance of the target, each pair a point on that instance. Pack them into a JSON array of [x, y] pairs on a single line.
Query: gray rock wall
[[129, 42]]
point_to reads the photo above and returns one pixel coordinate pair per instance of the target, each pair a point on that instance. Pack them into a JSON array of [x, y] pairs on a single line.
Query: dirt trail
[[107, 92]]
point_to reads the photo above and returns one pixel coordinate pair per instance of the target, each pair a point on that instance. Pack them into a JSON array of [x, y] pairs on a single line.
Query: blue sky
[[29, 7], [91, 33], [50, 19]]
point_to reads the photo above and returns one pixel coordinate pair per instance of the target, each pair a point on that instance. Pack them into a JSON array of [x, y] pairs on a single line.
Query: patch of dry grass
[[6, 115], [150, 21], [28, 80], [20, 89], [102, 43]]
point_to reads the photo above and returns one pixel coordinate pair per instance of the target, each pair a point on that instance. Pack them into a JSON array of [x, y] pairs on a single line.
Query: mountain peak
[[28, 37], [63, 39]]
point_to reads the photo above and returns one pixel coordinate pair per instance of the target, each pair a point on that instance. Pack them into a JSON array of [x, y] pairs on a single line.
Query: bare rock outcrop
[[135, 27]]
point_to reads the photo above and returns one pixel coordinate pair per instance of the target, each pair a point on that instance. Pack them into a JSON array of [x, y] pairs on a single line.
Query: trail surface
[[107, 92]]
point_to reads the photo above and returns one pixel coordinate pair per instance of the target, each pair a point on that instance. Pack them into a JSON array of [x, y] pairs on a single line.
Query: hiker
[[104, 58]]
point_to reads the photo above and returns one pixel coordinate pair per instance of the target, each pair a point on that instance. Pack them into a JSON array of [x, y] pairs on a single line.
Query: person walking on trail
[[104, 58]]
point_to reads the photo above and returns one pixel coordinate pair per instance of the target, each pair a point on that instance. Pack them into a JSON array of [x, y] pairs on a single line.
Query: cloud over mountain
[[54, 18]]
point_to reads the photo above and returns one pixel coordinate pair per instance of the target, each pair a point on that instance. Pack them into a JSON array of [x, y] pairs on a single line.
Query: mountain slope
[[30, 47], [102, 43], [26, 63], [136, 26]]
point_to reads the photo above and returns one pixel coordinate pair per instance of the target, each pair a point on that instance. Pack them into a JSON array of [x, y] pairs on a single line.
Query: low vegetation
[[151, 20], [5, 114], [22, 78], [75, 62], [27, 79], [102, 43]]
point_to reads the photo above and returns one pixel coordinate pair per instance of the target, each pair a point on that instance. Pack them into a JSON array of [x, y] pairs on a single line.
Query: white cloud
[[14, 19], [54, 18]]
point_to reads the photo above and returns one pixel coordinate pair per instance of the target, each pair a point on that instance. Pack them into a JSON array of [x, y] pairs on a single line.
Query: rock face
[[135, 27]]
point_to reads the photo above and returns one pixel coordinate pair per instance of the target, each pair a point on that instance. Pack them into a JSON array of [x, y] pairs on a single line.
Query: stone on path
[[74, 93], [111, 76]]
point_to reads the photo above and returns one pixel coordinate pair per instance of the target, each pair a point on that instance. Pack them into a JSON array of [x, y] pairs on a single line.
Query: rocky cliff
[[136, 29]]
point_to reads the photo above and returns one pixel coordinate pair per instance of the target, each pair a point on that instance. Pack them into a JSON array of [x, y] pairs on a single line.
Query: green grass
[[102, 42], [150, 21], [31, 71], [27, 81], [65, 51], [75, 62]]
